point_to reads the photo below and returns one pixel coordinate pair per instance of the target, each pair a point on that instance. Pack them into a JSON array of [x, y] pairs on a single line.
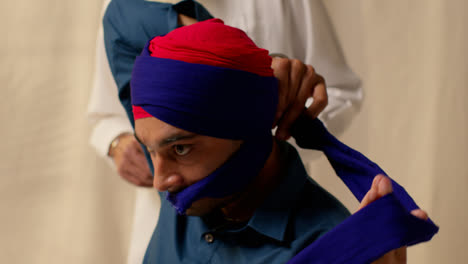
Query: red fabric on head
[[139, 112], [212, 43]]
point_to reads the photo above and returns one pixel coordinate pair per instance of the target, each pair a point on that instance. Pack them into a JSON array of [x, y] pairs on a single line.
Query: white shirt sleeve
[[322, 50], [104, 109]]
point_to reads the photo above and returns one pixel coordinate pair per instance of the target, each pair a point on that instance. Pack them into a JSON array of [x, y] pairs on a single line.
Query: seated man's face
[[181, 158]]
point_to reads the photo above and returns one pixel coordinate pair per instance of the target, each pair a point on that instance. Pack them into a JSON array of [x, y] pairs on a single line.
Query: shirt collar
[[192, 9], [272, 218]]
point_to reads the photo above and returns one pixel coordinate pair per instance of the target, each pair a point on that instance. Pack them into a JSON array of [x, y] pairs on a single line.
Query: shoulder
[[131, 14], [121, 13], [115, 17], [314, 211], [133, 22], [311, 199], [318, 211]]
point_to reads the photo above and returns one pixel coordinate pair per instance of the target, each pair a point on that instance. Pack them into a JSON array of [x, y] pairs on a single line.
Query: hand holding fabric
[[389, 220], [381, 186], [297, 83], [130, 161]]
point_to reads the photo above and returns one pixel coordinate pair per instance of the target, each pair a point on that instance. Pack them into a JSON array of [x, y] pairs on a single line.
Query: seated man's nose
[[171, 183], [165, 179]]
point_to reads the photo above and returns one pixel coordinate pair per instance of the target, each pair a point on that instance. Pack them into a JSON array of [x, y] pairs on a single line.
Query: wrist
[[115, 143]]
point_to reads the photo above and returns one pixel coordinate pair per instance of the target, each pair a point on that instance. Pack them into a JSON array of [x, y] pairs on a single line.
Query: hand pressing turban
[[210, 79]]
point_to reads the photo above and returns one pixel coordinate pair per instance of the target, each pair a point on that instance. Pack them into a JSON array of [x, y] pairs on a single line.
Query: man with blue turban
[[204, 101]]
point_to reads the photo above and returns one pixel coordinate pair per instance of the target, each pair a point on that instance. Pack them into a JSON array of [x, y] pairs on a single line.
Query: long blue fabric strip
[[380, 227]]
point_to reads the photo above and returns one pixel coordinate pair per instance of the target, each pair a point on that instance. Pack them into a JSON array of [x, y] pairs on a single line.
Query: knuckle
[[283, 64], [310, 71], [323, 82], [296, 63], [298, 68], [128, 152], [321, 79], [125, 150], [321, 100], [319, 106], [299, 103]]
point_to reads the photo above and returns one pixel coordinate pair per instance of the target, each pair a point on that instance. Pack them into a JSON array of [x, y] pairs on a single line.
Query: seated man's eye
[[182, 150]]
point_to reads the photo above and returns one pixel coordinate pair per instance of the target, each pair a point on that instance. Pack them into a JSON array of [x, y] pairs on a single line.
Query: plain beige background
[[59, 203]]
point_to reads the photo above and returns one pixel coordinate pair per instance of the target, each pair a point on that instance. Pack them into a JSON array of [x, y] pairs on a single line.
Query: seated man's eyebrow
[[175, 138]]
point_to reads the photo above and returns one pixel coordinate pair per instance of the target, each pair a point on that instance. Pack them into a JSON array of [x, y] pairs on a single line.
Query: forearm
[[106, 130]]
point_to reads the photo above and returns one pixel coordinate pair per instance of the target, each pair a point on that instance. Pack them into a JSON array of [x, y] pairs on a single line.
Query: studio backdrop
[[60, 203]]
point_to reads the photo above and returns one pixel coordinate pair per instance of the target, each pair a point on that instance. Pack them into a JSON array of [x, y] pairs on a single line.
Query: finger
[[400, 255], [384, 186], [132, 166], [420, 214], [129, 177], [296, 75], [145, 177], [135, 176], [370, 196], [146, 184], [281, 68], [126, 168], [138, 166], [379, 187], [297, 107], [396, 256], [294, 103], [141, 161], [320, 96], [139, 182], [136, 157]]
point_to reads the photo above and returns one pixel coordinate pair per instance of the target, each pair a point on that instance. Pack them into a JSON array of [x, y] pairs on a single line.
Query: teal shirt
[[294, 215]]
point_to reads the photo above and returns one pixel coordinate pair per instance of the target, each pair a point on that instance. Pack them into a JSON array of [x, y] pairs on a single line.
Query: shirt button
[[209, 237]]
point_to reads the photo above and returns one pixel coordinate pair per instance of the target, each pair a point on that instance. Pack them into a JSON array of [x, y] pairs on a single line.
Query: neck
[[244, 205]]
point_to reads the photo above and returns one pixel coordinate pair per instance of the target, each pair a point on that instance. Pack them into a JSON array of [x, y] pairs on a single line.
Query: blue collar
[[272, 218]]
